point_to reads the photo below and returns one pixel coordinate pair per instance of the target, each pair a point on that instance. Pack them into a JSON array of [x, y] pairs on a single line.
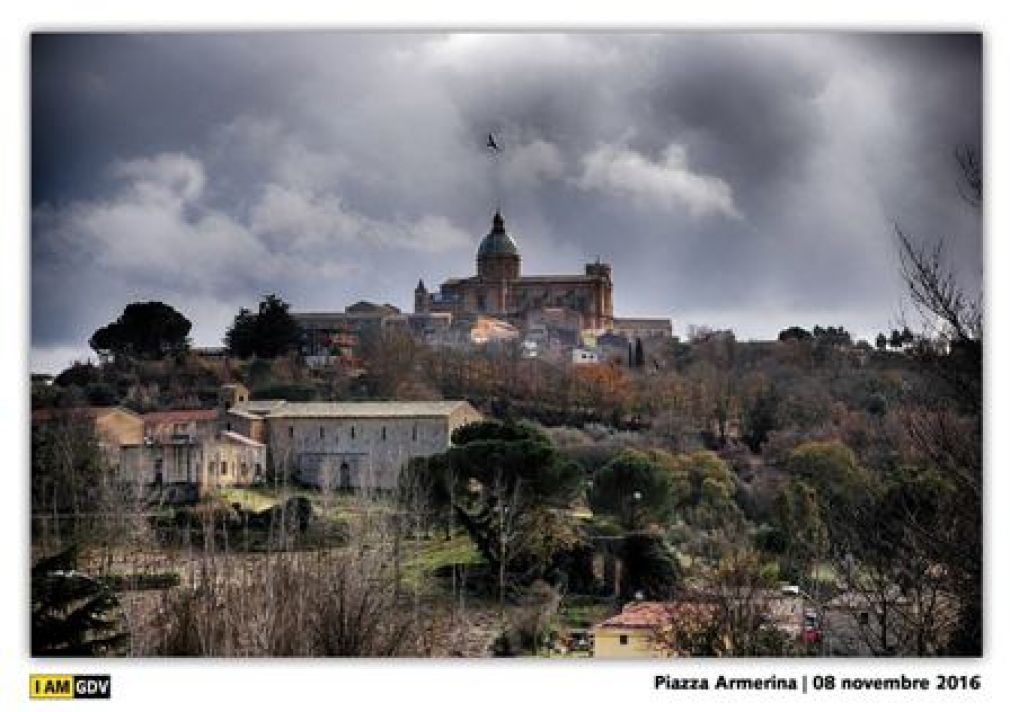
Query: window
[[291, 431], [624, 640], [352, 432], [383, 432], [414, 432], [224, 468], [322, 433]]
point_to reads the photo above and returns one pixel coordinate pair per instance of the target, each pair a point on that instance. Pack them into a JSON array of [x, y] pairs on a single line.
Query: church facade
[[500, 290]]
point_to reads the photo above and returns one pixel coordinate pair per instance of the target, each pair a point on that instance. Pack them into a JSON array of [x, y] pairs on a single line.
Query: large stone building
[[499, 303], [500, 289], [349, 444]]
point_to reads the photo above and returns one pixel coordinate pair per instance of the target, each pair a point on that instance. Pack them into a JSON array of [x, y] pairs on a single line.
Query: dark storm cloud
[[748, 181]]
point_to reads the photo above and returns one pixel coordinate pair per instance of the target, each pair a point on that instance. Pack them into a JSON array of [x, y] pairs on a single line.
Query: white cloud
[[668, 184], [159, 231], [169, 178], [301, 218]]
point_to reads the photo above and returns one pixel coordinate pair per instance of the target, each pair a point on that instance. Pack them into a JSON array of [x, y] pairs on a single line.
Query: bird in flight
[[491, 143]]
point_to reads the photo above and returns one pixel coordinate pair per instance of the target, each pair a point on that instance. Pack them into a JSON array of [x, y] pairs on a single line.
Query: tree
[[649, 567], [795, 333], [73, 614], [947, 427], [747, 621], [831, 468], [78, 374], [803, 532], [760, 417], [267, 334], [506, 482], [67, 473], [702, 479], [145, 330], [241, 335], [634, 489]]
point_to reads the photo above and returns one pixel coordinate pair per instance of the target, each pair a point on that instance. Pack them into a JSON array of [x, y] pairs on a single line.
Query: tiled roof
[[357, 409], [46, 414], [546, 278], [652, 614], [178, 416], [629, 321]]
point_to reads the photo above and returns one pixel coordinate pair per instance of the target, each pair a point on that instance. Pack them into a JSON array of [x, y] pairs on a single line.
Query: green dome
[[497, 242]]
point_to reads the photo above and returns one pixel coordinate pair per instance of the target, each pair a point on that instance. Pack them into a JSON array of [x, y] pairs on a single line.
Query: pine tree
[[73, 615]]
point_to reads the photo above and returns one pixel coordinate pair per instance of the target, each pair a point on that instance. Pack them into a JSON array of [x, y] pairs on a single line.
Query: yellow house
[[646, 629], [114, 427]]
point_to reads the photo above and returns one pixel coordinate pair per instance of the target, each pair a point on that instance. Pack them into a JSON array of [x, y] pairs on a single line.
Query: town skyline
[[742, 181]]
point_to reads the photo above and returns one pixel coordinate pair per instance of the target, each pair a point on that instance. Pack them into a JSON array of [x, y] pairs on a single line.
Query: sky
[[741, 181]]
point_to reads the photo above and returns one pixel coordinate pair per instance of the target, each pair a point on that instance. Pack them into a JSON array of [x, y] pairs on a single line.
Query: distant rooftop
[[178, 416], [352, 409], [651, 614]]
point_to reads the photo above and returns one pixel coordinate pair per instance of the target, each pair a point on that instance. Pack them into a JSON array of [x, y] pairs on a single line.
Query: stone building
[[499, 288], [164, 426], [114, 427], [349, 444], [183, 468]]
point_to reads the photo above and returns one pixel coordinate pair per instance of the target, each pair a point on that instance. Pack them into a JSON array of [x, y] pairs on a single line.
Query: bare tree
[[947, 428]]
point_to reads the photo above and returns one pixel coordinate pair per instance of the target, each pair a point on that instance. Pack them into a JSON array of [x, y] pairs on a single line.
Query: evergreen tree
[[145, 330], [267, 334], [73, 615]]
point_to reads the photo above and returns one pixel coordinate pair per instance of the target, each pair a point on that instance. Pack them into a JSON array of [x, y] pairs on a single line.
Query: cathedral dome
[[497, 242]]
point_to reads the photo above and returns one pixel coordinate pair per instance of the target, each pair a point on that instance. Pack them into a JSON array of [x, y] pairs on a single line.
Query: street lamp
[[636, 496]]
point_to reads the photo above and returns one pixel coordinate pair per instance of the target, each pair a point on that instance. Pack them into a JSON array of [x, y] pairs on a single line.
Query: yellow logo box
[[69, 687]]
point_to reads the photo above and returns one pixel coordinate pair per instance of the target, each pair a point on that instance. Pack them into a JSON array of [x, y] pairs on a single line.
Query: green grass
[[422, 559], [249, 499], [825, 572]]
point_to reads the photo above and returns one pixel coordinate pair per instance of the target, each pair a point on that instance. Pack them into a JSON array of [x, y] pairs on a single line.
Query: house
[[231, 395], [187, 468], [639, 328], [648, 629], [114, 426], [349, 444], [615, 348], [176, 425], [489, 330], [585, 357], [232, 460]]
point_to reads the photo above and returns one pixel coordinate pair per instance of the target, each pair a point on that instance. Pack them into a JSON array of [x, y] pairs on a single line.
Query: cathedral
[[500, 290]]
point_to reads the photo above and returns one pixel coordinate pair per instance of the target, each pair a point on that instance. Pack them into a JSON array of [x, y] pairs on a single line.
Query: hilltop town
[[510, 469]]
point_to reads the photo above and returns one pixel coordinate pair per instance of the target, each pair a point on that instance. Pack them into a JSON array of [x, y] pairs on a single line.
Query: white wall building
[[350, 444]]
